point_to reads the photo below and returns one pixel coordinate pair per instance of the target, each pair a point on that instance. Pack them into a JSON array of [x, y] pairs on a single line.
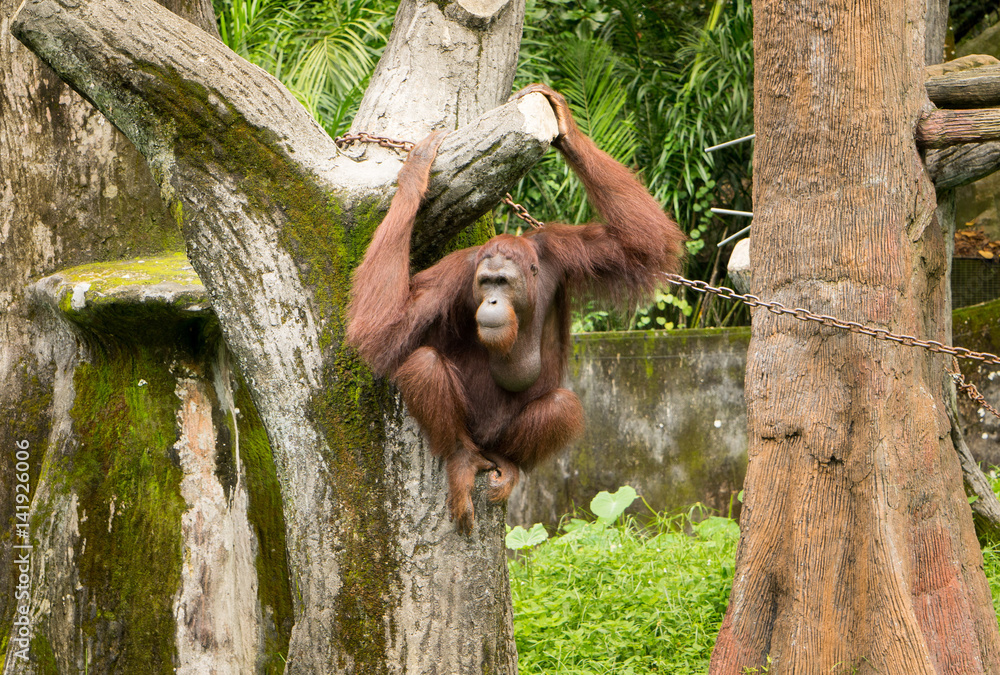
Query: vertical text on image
[[21, 638]]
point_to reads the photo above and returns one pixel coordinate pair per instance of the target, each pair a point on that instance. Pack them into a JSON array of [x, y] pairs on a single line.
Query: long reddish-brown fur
[[422, 330]]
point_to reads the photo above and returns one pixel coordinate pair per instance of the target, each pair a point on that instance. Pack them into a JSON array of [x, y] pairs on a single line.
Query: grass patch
[[991, 550], [624, 599], [603, 598]]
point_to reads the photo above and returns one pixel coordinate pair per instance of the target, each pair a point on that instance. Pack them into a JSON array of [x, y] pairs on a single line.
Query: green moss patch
[[107, 277], [26, 424], [266, 516], [127, 477], [43, 656], [143, 300], [977, 327]]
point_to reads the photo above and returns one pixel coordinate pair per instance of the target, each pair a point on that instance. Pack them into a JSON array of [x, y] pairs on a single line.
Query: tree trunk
[[73, 190], [857, 544], [274, 218], [471, 45]]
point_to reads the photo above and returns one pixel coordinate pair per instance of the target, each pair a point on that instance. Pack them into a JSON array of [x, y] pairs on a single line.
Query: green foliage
[[991, 551], [323, 51], [659, 83], [600, 599], [620, 599], [714, 104], [607, 506], [584, 70], [589, 320], [656, 314]]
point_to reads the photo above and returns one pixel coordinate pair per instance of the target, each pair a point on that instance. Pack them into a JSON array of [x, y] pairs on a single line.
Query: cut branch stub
[[973, 88], [447, 62], [943, 128], [959, 165]]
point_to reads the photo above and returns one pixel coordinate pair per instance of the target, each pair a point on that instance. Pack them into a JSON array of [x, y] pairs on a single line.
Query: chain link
[[970, 389], [853, 326], [522, 212], [364, 137], [753, 301], [826, 320]]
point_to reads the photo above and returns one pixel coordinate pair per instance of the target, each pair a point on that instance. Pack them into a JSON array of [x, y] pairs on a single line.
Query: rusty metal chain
[[826, 320], [853, 326], [970, 389], [364, 137], [753, 301], [522, 212]]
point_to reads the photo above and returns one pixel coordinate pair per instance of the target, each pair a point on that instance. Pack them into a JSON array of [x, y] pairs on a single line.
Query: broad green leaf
[[519, 538], [608, 506]]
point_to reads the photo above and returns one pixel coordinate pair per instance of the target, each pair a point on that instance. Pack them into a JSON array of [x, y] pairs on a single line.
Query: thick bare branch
[[174, 92], [477, 65], [943, 128], [986, 507], [955, 65], [970, 81]]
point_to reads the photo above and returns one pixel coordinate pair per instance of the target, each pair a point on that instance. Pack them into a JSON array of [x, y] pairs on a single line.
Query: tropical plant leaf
[[323, 52], [607, 506], [519, 539]]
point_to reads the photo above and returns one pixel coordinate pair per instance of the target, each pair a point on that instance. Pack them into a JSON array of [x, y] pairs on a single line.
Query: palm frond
[[323, 52]]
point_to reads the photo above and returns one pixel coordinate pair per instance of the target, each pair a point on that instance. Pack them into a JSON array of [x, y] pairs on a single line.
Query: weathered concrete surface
[[664, 413], [218, 616], [652, 402]]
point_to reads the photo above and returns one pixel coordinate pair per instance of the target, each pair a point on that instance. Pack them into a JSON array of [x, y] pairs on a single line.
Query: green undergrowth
[[603, 598], [623, 599], [991, 551]]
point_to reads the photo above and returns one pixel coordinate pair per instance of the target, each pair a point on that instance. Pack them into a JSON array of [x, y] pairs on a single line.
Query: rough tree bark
[[970, 81], [274, 217], [857, 545], [943, 128], [74, 190]]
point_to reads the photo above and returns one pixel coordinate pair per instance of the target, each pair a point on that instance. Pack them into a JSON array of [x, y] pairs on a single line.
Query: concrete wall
[[665, 414]]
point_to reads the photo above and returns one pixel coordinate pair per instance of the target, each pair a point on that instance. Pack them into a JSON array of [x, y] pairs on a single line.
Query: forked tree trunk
[[274, 216], [857, 546]]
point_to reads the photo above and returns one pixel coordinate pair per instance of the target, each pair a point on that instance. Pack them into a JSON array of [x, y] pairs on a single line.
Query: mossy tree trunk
[[73, 190], [274, 218], [857, 547]]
